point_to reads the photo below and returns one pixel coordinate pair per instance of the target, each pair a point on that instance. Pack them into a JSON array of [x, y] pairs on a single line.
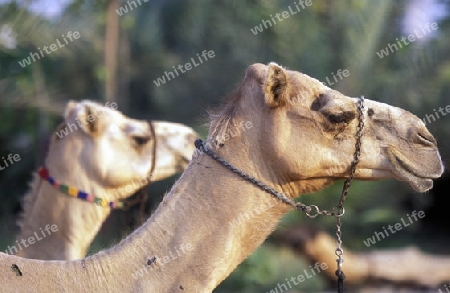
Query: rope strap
[[200, 145], [311, 211], [340, 284]]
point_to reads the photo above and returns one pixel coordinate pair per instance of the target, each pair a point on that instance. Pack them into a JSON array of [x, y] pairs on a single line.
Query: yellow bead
[[72, 191]]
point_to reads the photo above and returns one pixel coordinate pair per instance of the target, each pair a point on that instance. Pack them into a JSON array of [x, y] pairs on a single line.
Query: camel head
[[305, 133], [113, 150], [175, 143]]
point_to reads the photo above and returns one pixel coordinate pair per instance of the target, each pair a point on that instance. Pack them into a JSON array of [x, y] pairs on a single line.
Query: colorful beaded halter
[[76, 193]]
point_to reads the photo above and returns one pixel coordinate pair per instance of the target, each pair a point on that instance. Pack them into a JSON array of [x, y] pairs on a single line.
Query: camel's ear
[[71, 105], [82, 116], [275, 86]]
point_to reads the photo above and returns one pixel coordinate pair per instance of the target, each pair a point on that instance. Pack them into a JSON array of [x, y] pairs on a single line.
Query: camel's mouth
[[419, 176]]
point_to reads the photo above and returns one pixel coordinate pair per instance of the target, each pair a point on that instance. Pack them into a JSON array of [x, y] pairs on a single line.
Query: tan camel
[[188, 244], [110, 157]]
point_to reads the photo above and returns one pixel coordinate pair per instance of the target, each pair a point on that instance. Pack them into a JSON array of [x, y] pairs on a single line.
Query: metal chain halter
[[311, 211]]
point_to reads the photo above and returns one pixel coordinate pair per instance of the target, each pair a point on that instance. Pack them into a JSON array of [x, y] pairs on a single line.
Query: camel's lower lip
[[404, 172], [182, 164]]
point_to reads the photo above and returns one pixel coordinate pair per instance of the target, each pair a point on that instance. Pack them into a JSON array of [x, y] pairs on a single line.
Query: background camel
[[111, 157], [187, 245]]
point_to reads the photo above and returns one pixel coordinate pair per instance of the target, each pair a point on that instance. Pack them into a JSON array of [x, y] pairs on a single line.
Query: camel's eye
[[141, 140]]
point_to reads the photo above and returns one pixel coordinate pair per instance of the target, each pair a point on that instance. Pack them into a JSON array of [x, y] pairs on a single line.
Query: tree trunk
[[111, 51], [125, 71], [404, 266], [41, 96]]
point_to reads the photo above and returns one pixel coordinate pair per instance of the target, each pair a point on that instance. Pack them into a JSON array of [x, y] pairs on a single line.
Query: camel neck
[[74, 225], [205, 227], [192, 241]]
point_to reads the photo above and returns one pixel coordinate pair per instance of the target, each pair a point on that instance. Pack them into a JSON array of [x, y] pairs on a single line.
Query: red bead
[[43, 173]]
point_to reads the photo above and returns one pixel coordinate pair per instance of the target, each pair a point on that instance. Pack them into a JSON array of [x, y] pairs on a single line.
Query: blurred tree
[[111, 50]]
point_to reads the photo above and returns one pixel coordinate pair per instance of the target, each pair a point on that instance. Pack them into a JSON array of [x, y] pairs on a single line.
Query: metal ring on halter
[[339, 252], [316, 211], [340, 211]]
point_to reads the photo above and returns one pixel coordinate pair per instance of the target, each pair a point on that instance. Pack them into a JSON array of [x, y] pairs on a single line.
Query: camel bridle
[[311, 211], [142, 195]]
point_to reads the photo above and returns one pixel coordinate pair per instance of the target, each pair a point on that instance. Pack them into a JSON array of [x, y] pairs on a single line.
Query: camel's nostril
[[424, 137]]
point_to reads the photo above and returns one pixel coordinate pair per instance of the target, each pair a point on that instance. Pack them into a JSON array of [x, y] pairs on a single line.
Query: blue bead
[[82, 195]]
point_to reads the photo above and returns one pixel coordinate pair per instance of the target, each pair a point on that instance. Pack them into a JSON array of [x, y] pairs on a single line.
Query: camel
[[188, 245], [111, 157]]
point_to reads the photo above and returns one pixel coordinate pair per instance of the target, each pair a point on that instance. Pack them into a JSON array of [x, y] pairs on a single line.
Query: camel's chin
[[182, 164], [421, 184], [405, 172]]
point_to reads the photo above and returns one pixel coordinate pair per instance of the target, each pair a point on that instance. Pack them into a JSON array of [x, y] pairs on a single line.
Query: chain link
[[339, 251], [356, 155], [338, 211]]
